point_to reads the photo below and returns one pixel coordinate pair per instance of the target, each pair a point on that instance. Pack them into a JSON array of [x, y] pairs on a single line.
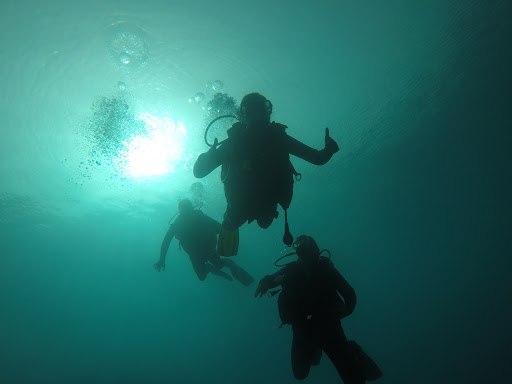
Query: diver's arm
[[160, 264], [311, 155], [208, 161], [269, 282], [346, 291]]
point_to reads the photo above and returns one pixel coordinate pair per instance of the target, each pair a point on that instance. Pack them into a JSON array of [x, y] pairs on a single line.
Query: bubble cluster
[[210, 89], [106, 133], [198, 193], [117, 142], [221, 104], [127, 45]]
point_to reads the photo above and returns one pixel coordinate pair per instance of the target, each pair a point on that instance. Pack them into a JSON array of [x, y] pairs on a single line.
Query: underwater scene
[[248, 192]]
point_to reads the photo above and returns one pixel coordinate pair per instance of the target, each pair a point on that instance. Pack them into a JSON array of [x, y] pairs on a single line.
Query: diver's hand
[[212, 152], [214, 146], [263, 287], [330, 144], [159, 265]]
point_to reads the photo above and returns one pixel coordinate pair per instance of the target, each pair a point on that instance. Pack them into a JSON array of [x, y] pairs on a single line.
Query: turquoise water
[[104, 106]]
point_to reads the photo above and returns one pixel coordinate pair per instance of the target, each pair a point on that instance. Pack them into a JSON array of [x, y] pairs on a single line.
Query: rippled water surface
[[104, 106]]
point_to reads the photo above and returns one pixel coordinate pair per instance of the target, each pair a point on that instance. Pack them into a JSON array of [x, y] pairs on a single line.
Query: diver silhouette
[[256, 169], [310, 302], [197, 234]]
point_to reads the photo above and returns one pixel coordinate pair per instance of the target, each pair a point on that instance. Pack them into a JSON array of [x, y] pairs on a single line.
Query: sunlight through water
[[156, 152]]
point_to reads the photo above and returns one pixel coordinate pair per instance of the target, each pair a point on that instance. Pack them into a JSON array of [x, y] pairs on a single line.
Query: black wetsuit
[[257, 172], [197, 234], [310, 301]]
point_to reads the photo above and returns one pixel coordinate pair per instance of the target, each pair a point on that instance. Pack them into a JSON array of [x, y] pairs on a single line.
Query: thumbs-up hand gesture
[[330, 144]]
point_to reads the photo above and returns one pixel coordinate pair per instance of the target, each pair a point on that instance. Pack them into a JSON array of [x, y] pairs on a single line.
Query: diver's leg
[[216, 264], [214, 258], [199, 266], [317, 355], [218, 272], [203, 267], [333, 341], [302, 350], [234, 217]]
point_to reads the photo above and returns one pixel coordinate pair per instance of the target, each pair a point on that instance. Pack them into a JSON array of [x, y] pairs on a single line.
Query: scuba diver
[[256, 169], [197, 235], [310, 301]]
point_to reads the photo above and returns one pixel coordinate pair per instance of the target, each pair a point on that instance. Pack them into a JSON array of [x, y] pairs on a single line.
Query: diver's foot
[[267, 218], [265, 222], [227, 245]]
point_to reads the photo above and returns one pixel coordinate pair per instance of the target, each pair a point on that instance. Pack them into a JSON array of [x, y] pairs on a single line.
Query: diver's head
[[185, 206], [307, 249], [255, 110]]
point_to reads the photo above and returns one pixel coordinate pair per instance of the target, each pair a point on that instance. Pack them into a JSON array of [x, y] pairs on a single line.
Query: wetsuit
[[310, 301], [257, 172], [197, 234]]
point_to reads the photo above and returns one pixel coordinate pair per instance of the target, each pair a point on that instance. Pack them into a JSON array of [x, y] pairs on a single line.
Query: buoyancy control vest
[[259, 163], [195, 233], [307, 292]]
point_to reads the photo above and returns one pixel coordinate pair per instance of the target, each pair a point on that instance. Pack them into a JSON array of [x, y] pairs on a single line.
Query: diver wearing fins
[[256, 169], [197, 234], [310, 301]]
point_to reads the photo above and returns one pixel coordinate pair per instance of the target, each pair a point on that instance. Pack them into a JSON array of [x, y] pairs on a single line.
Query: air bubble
[[199, 97], [217, 85], [124, 58], [127, 44]]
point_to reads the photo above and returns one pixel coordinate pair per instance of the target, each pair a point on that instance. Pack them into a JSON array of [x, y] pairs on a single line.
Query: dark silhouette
[[197, 234], [310, 301], [256, 169]]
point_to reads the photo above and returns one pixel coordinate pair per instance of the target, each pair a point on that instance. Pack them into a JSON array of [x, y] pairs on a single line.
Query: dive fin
[[228, 242], [240, 274], [317, 356], [370, 369]]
